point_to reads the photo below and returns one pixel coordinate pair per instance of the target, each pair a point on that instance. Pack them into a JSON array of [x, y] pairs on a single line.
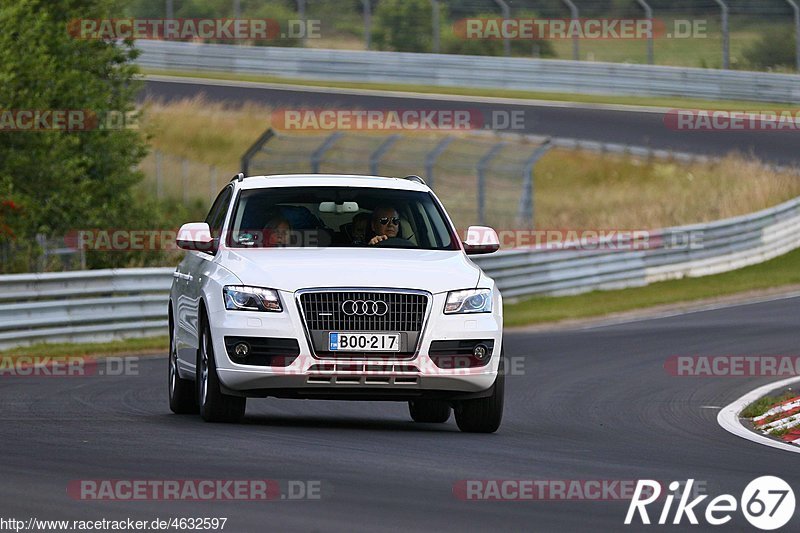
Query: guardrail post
[[255, 148], [481, 171], [648, 14], [525, 212], [319, 153], [796, 10], [726, 45], [380, 151], [432, 156], [506, 15], [575, 15], [436, 28]]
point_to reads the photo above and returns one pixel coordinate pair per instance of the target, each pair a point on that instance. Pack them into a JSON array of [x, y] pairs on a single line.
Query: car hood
[[291, 269]]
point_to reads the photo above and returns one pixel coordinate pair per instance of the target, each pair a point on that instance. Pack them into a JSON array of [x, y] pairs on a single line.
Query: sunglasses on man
[[385, 220]]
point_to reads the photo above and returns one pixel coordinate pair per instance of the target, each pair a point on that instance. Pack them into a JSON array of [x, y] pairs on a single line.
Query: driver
[[385, 224]]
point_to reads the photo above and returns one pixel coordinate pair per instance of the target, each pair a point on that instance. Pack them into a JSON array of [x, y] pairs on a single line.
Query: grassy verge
[[147, 345], [677, 103], [781, 271], [762, 405]]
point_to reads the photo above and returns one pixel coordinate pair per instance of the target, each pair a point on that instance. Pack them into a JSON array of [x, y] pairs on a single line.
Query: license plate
[[364, 342]]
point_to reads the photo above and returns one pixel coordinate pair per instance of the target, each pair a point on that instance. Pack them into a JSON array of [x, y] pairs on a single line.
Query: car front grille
[[323, 311], [381, 311]]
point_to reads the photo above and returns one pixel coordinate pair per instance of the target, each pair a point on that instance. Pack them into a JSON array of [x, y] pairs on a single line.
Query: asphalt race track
[[591, 404], [640, 128]]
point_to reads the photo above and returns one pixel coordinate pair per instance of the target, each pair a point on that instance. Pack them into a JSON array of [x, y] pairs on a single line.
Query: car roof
[[331, 180]]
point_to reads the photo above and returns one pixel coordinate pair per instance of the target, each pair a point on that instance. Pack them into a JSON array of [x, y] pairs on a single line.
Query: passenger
[[277, 232], [360, 226]]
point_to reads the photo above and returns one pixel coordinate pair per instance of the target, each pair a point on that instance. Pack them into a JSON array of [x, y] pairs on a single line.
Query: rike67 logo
[[767, 503]]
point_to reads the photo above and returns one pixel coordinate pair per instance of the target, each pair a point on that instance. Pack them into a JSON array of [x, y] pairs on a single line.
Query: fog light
[[481, 352], [241, 349]]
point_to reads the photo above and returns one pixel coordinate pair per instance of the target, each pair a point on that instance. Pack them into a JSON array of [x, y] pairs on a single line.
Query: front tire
[[182, 397], [214, 405], [483, 415], [430, 411]]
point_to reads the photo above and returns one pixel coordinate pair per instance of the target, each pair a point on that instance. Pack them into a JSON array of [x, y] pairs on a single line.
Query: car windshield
[[339, 217]]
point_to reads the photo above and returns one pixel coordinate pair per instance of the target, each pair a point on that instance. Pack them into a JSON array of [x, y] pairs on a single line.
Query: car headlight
[[469, 301], [243, 298]]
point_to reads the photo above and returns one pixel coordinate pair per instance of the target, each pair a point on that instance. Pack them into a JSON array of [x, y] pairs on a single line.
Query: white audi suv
[[335, 287]]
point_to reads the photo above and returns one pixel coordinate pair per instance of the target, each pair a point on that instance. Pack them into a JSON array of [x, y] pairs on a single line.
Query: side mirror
[[195, 236], [481, 240]]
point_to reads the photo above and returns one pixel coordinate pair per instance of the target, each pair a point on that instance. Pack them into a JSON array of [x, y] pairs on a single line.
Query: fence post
[[726, 50], [481, 171], [796, 10], [435, 24], [648, 14], [525, 212], [367, 23], [506, 15], [255, 148], [432, 156], [319, 153], [159, 182], [575, 15], [380, 151], [185, 179], [213, 181]]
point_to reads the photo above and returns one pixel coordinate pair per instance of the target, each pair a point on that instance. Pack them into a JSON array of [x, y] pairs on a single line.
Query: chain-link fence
[[177, 178], [482, 179], [755, 34]]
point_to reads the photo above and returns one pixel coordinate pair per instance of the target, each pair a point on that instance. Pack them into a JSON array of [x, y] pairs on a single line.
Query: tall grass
[[573, 189]]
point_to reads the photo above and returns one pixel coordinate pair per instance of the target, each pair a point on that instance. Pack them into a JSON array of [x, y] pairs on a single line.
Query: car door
[[193, 270]]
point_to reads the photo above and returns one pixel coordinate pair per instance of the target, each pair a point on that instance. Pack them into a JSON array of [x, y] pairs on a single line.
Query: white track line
[[728, 416]]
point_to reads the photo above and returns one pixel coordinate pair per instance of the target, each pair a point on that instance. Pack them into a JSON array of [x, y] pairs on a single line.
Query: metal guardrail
[[548, 75], [106, 304], [93, 305]]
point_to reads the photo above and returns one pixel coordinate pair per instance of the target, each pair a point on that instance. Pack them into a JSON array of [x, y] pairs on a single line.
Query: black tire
[[483, 415], [429, 411], [214, 405], [182, 397]]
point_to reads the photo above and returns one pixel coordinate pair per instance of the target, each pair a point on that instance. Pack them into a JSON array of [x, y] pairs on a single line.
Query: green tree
[[403, 25], [774, 49], [67, 179]]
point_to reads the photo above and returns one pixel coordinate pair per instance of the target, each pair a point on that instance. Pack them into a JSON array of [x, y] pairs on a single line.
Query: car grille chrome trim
[[321, 310], [326, 311]]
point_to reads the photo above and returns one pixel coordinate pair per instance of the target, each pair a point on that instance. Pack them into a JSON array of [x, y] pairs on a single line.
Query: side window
[[216, 216]]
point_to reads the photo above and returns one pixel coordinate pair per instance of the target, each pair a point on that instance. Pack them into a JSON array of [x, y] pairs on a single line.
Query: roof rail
[[415, 178], [239, 177]]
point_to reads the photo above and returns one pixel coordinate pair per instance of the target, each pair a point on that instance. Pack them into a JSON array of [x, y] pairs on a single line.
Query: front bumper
[[350, 377]]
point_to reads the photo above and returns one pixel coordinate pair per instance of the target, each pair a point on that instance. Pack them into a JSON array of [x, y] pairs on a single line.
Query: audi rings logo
[[365, 307]]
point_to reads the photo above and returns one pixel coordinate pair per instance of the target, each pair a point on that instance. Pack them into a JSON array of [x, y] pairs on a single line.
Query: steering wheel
[[396, 242]]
